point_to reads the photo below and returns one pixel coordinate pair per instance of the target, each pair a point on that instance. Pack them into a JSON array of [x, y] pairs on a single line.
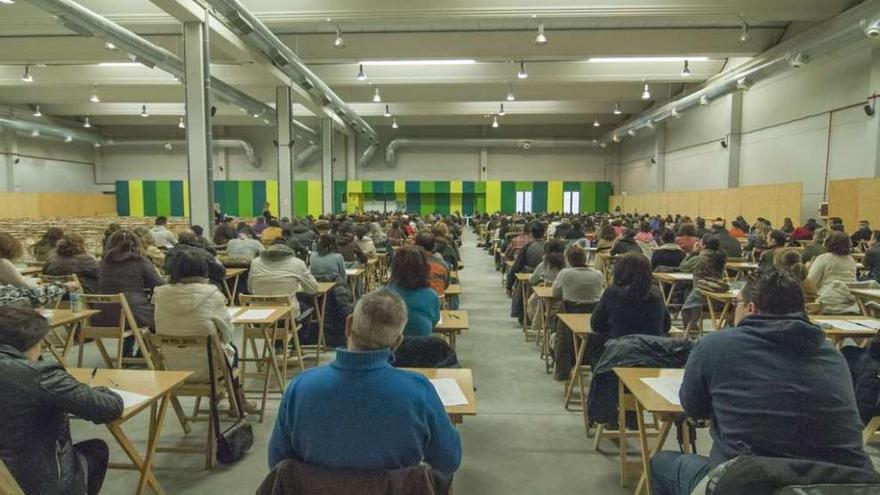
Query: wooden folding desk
[[727, 299], [268, 327], [356, 275], [63, 318], [451, 324], [669, 282], [864, 296], [464, 378], [546, 299], [234, 274], [837, 334], [29, 271], [741, 268], [319, 300], [579, 324], [522, 280], [158, 386], [647, 400]]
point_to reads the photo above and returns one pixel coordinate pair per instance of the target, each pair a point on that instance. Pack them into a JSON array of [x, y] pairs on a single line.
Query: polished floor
[[521, 442]]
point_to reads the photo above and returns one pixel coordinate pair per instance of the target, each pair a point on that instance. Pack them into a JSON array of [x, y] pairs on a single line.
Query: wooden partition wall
[[56, 205], [854, 200], [773, 202]]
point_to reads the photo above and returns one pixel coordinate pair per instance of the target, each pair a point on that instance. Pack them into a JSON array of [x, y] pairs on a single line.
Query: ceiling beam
[[182, 10]]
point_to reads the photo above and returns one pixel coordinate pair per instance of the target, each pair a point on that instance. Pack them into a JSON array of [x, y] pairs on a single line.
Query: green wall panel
[[508, 196], [176, 191], [151, 207], [122, 208], [539, 196]]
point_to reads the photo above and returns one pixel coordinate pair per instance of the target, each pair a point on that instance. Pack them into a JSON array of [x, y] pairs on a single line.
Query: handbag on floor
[[233, 443]]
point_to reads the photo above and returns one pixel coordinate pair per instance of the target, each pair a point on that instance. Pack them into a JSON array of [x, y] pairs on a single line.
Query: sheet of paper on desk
[[872, 324], [667, 385], [846, 326], [682, 276], [255, 314], [130, 399], [232, 311], [449, 391]]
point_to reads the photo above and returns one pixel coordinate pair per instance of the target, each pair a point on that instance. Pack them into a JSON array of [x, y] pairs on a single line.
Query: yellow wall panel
[[493, 196], [316, 194], [554, 196]]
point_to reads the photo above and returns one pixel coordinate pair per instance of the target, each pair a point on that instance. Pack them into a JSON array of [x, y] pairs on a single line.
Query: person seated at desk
[[10, 251], [816, 247], [272, 232], [632, 304], [360, 412], [806, 231], [44, 249], [529, 255], [244, 248], [410, 280], [872, 258], [40, 296], [772, 386], [163, 237], [326, 263], [669, 254], [775, 241], [364, 241], [687, 237], [71, 258], [830, 272], [438, 276], [36, 398], [278, 272], [348, 247], [188, 242], [202, 241]]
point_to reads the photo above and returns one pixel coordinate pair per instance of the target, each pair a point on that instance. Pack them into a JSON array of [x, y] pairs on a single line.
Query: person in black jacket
[[772, 386], [669, 254], [632, 304], [35, 399], [189, 241], [626, 243], [528, 258], [872, 258], [731, 247]]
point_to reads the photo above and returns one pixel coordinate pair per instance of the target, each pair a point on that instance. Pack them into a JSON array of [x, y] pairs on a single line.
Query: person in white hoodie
[[163, 237], [278, 272]]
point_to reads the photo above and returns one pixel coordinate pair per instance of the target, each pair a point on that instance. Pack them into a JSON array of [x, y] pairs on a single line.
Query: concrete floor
[[521, 442]]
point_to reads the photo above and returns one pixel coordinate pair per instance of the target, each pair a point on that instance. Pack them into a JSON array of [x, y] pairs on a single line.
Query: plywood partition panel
[[854, 200], [60, 205]]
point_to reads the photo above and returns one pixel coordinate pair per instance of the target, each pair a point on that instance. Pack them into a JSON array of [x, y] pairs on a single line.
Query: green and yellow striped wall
[[246, 198], [239, 198], [468, 196]]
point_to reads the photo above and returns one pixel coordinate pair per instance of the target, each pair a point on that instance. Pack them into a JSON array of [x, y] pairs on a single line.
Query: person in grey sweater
[[772, 386], [578, 282], [326, 264]]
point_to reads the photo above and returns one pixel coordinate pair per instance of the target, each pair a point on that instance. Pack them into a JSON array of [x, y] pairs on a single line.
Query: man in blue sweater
[[772, 386], [361, 413]]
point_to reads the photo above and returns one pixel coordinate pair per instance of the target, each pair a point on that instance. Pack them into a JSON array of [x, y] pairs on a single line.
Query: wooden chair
[[283, 335], [173, 353], [8, 485], [126, 327], [870, 432]]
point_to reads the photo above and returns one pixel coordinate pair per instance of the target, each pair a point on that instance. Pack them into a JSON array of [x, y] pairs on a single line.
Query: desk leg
[[234, 289], [525, 298], [711, 303], [140, 463], [575, 370], [320, 302], [647, 452], [452, 336], [228, 292], [663, 292]]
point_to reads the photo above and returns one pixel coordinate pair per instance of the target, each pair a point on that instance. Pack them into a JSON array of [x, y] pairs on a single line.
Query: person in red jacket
[[805, 232]]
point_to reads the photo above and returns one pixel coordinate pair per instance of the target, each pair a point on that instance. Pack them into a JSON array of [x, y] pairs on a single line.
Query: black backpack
[[754, 475], [867, 382]]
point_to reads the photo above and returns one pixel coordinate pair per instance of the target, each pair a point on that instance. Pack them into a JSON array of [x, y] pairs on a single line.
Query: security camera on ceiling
[[869, 107]]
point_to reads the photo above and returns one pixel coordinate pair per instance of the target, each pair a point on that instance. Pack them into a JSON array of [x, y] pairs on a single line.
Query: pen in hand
[[92, 376]]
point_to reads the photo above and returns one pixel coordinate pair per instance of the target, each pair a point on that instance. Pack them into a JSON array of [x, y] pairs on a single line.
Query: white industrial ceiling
[[563, 87]]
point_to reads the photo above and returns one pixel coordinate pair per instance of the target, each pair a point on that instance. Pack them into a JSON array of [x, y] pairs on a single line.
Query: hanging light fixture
[[501, 112], [181, 124], [510, 95], [377, 98], [361, 75], [704, 100], [674, 114], [522, 74], [541, 39], [387, 111], [495, 122], [144, 113], [109, 46], [37, 112], [745, 37], [339, 42], [646, 94], [631, 132], [596, 122], [7, 2], [617, 110], [68, 139], [95, 98], [27, 77], [87, 124], [686, 71], [394, 124], [35, 133], [615, 138]]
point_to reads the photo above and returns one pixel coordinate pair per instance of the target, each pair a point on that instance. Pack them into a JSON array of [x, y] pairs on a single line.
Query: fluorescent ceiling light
[[418, 62], [628, 60], [119, 64], [7, 2]]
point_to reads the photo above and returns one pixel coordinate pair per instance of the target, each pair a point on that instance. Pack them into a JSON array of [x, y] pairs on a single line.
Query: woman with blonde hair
[[156, 255], [789, 259]]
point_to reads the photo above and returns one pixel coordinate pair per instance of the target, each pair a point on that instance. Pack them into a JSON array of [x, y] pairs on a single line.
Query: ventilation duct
[[247, 148], [258, 36], [367, 155], [847, 28], [391, 150], [85, 22], [304, 155], [50, 130]]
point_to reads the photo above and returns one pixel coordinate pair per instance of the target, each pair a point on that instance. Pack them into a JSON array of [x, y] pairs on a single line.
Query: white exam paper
[[232, 311], [845, 325], [255, 314], [130, 399], [682, 276], [449, 391], [872, 324], [667, 385]]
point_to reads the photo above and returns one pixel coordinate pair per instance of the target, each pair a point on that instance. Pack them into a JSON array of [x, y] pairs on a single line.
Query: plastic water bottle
[[75, 301]]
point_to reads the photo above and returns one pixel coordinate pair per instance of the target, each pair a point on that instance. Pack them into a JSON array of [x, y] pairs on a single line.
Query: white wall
[[796, 127], [52, 166]]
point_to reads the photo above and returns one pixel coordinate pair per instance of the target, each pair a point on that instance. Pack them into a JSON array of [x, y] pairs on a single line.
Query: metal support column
[[10, 150], [284, 138], [327, 166], [198, 124], [734, 138], [660, 156], [351, 157]]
